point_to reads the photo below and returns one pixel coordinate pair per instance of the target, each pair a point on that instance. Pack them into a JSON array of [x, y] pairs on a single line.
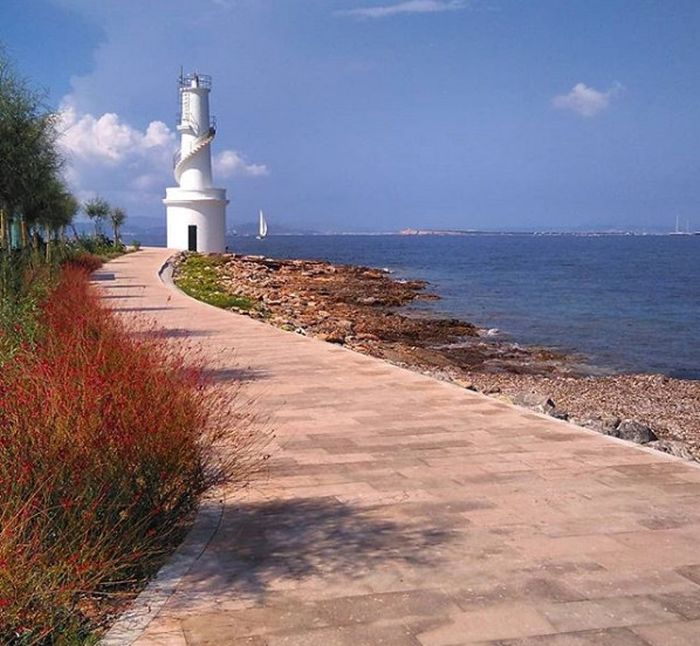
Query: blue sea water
[[626, 303]]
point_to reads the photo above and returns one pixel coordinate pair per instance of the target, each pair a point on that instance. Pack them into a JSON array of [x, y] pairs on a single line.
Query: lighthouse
[[195, 210]]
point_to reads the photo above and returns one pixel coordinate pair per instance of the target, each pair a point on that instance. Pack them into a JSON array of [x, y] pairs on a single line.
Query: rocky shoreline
[[366, 310]]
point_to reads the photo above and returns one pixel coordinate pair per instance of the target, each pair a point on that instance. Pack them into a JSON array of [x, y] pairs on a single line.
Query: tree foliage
[[98, 210], [30, 162], [118, 217]]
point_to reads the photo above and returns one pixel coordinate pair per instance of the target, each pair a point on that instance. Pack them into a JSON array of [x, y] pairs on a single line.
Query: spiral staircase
[[180, 161]]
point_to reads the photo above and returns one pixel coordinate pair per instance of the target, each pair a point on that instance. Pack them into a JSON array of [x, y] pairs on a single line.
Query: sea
[[622, 303]]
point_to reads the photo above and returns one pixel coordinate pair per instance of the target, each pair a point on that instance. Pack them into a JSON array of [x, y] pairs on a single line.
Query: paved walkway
[[401, 510]]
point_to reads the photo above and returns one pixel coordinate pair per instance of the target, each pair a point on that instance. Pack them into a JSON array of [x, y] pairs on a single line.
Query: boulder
[[540, 403], [633, 431]]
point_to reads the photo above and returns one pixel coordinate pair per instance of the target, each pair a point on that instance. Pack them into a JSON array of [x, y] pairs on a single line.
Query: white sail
[[262, 231]]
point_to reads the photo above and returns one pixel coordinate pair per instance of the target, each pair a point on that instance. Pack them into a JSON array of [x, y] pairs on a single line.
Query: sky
[[377, 115]]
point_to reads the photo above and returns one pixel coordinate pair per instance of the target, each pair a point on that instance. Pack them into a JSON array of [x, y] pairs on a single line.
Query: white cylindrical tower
[[196, 212]]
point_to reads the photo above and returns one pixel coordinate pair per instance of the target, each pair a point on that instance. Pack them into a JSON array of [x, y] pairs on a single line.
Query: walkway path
[[402, 510]]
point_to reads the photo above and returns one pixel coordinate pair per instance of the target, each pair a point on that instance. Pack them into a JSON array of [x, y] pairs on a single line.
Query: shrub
[[24, 281], [105, 442], [85, 261], [97, 245]]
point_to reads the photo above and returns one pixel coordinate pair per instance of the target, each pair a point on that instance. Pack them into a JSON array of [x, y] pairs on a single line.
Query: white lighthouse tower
[[196, 212]]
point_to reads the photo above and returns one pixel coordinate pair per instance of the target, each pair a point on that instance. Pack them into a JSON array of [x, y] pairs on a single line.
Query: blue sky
[[383, 114]]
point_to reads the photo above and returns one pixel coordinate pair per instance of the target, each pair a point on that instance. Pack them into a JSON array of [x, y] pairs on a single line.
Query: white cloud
[[229, 163], [108, 140], [406, 6], [109, 156], [586, 101]]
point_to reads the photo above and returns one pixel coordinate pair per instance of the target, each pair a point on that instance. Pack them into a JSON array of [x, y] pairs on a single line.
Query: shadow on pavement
[[100, 276], [117, 296], [143, 309], [235, 374], [125, 286], [261, 544]]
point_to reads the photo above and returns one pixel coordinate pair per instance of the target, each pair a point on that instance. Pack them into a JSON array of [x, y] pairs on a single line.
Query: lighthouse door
[[192, 237]]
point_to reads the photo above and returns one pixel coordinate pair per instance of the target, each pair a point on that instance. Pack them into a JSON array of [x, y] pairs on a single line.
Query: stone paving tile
[[400, 510], [608, 613], [612, 636], [503, 621], [672, 634]]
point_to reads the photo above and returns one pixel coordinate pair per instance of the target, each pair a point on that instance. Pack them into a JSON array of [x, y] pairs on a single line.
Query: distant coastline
[[151, 231], [467, 233]]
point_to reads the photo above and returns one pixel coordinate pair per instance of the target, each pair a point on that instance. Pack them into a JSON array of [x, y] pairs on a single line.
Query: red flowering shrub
[[103, 448], [84, 260]]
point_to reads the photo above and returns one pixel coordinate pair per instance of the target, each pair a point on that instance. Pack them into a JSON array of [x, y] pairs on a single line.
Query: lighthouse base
[[196, 219]]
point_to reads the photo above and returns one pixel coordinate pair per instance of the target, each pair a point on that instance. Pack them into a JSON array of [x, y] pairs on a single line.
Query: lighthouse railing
[[195, 80]]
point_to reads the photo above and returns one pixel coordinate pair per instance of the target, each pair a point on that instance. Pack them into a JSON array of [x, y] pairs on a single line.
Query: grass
[[106, 440], [198, 277]]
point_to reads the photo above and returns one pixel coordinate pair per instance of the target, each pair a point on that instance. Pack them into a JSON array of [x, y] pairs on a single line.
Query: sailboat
[[262, 228], [678, 231]]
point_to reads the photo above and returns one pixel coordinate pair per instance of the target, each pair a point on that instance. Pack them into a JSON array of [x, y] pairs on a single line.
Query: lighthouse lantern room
[[196, 212]]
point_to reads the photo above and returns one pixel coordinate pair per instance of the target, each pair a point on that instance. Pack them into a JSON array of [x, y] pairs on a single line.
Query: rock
[[536, 402], [369, 300], [672, 447], [607, 424], [492, 390], [334, 336], [467, 385], [344, 324], [633, 431]]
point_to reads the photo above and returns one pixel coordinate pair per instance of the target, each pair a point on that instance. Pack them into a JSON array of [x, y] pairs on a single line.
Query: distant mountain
[[148, 231]]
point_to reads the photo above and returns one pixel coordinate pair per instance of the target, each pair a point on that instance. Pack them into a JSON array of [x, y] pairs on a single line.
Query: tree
[[98, 210], [28, 152], [118, 217]]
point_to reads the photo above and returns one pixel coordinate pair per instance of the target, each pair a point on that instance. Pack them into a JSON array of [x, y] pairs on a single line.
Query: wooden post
[[24, 232]]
